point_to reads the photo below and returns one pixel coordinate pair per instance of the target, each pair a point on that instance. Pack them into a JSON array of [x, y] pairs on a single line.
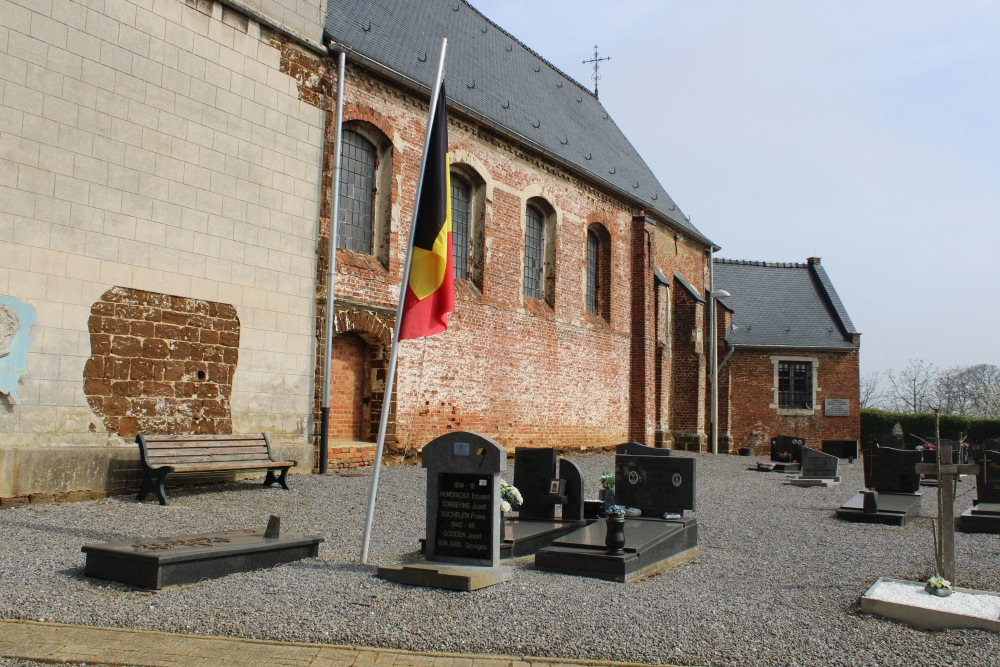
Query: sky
[[863, 132]]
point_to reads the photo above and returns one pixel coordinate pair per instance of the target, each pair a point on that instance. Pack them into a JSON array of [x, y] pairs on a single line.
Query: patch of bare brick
[[161, 363]]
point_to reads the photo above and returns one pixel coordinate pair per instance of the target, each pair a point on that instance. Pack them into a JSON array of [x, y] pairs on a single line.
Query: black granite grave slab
[[894, 509], [787, 448], [159, 562], [655, 484], [572, 508], [988, 478], [651, 545], [892, 470], [534, 470], [893, 441], [523, 538], [981, 518], [842, 449], [637, 449]]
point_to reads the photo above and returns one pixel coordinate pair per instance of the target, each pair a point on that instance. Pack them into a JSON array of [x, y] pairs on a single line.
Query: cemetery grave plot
[[818, 469], [786, 454], [463, 530], [160, 562], [984, 514], [656, 485], [892, 485]]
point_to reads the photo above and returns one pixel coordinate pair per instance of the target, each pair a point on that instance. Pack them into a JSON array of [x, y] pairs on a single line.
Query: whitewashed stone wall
[[149, 145]]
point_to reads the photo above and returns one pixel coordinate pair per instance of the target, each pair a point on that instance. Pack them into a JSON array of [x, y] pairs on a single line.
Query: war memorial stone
[[984, 515], [892, 494], [462, 517], [655, 483]]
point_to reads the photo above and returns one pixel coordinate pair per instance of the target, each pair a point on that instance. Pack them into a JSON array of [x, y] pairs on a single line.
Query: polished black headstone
[[893, 441], [842, 449], [892, 470], [637, 449], [817, 465], [655, 484], [988, 478], [572, 509], [534, 470], [787, 448]]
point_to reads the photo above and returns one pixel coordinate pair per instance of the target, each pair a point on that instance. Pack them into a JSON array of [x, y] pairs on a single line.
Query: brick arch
[[358, 112]]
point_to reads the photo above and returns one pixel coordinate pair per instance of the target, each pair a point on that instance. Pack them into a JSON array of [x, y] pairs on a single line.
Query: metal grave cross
[[947, 475]]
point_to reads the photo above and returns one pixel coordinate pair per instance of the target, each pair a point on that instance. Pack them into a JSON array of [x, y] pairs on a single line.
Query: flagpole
[[391, 374], [324, 429]]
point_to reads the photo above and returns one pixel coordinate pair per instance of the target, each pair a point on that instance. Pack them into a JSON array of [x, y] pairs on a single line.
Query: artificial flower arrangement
[[616, 512], [510, 497], [607, 480], [939, 582]]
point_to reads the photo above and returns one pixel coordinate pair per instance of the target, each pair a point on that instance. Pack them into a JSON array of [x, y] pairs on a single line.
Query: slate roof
[[495, 78], [778, 304]]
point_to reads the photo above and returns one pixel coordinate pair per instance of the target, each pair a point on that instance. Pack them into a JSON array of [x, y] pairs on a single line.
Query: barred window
[[461, 212], [593, 253], [534, 257], [795, 385], [357, 193]]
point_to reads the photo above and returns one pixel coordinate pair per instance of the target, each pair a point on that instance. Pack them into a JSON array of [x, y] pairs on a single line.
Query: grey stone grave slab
[[842, 449], [160, 562], [984, 515], [818, 469], [655, 484], [463, 515], [892, 496], [534, 470]]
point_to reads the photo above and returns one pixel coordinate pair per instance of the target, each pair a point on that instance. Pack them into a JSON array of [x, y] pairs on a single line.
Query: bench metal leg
[[270, 478], [150, 484]]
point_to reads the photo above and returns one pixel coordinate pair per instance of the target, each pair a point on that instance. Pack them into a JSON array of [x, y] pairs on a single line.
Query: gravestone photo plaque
[[655, 484]]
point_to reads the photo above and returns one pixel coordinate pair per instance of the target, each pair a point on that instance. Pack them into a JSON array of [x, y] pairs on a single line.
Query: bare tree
[[912, 389], [872, 395], [970, 390]]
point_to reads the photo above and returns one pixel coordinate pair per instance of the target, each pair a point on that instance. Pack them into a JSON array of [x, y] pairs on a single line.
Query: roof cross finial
[[597, 63]]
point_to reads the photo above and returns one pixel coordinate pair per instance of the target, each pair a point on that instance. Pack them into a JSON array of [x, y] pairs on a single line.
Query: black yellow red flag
[[430, 292]]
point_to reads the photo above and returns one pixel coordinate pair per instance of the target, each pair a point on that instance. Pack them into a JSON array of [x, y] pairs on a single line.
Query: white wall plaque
[[837, 407]]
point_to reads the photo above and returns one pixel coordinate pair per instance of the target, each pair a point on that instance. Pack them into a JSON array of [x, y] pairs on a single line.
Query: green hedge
[[876, 422]]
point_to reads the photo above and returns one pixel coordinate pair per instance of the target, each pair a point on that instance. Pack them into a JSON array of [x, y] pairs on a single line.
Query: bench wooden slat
[[163, 455], [207, 451]]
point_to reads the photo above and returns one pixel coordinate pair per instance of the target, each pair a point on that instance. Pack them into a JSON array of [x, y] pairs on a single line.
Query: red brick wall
[[346, 394], [754, 422], [511, 368], [161, 363]]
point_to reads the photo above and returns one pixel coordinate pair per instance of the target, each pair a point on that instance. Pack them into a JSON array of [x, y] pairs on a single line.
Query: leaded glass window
[[593, 254], [461, 211], [795, 385], [357, 193], [534, 257]]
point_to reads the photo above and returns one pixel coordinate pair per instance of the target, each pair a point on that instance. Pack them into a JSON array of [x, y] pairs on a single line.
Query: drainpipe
[[712, 354], [324, 432]]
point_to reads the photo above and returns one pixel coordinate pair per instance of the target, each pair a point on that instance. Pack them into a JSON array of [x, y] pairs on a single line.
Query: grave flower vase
[[939, 592], [614, 539]]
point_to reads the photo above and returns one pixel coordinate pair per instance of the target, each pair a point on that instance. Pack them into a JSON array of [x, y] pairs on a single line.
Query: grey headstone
[[890, 470], [572, 509], [787, 448], [463, 498], [988, 478], [534, 470], [637, 449], [655, 484], [817, 465]]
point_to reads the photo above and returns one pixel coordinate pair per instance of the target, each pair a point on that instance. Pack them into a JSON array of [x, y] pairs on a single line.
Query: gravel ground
[[778, 582]]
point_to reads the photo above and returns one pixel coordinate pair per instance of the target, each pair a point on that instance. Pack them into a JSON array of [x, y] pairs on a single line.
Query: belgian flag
[[430, 291]]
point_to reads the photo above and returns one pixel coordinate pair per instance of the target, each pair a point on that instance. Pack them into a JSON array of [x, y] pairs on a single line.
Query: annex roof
[[492, 76], [778, 304]]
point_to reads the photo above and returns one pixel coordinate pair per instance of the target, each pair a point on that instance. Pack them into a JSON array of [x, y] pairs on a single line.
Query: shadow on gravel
[[90, 535]]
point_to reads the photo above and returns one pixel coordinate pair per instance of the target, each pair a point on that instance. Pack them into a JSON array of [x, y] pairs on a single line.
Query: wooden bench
[[163, 455]]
